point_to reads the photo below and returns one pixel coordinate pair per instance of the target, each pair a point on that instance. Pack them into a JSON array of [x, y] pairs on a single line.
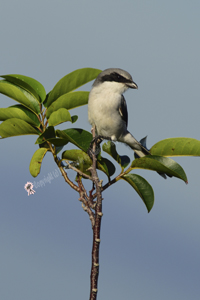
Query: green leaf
[[84, 162], [47, 134], [160, 164], [82, 140], [76, 154], [68, 101], [105, 166], [71, 82], [74, 118], [20, 95], [29, 84], [36, 161], [50, 136], [45, 101], [58, 149], [14, 127], [44, 145], [59, 116], [142, 187], [20, 112], [58, 142], [177, 147], [79, 137], [110, 148]]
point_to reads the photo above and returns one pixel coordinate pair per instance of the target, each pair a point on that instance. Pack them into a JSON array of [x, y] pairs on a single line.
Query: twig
[[89, 199], [113, 181], [78, 171], [87, 205], [64, 174]]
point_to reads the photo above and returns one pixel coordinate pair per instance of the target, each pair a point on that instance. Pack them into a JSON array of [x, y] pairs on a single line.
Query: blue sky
[[46, 238]]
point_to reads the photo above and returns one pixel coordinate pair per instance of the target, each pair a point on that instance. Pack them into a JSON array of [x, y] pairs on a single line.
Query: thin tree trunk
[[96, 229]]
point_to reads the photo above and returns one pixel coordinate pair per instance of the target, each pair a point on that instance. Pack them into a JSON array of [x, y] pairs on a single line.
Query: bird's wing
[[123, 110]]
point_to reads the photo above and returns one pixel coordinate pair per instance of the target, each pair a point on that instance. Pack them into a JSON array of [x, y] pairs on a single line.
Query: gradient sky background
[[46, 239]]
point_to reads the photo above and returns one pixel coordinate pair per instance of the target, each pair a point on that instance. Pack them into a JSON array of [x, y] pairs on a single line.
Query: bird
[[107, 109]]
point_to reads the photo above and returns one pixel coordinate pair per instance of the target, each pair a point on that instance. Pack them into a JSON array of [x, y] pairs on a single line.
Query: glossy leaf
[[47, 134], [76, 154], [142, 187], [74, 118], [84, 162], [29, 84], [14, 127], [160, 164], [44, 145], [36, 161], [59, 116], [68, 101], [20, 95], [110, 148], [50, 136], [71, 82], [58, 149], [177, 147], [82, 140], [105, 166], [79, 137], [20, 112], [58, 142]]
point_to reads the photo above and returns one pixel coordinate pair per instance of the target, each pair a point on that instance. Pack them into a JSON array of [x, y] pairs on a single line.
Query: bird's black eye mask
[[115, 77]]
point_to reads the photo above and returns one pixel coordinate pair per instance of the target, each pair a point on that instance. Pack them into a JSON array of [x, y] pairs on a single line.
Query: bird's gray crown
[[113, 74]]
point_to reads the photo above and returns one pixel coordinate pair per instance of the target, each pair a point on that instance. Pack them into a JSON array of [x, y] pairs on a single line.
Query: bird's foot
[[97, 140]]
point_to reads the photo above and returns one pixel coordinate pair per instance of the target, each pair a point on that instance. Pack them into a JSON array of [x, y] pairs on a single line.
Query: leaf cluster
[[39, 113]]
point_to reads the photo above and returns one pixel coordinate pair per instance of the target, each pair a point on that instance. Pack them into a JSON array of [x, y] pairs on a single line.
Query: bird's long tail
[[139, 148]]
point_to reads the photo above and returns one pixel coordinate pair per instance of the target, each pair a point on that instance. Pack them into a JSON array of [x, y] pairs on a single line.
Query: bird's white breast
[[103, 108]]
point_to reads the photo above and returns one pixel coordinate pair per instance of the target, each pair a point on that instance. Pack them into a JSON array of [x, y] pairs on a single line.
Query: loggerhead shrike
[[107, 109]]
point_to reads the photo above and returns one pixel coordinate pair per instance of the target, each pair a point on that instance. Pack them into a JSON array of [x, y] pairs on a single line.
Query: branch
[[97, 226], [64, 174], [87, 204], [78, 171], [113, 181]]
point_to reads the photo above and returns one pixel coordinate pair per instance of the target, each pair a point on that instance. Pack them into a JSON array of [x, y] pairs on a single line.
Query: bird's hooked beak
[[132, 85]]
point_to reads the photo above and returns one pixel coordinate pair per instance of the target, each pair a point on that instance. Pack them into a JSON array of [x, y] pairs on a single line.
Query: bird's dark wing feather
[[123, 110]]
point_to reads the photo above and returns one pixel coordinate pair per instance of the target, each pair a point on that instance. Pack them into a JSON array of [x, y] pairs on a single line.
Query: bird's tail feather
[[143, 152]]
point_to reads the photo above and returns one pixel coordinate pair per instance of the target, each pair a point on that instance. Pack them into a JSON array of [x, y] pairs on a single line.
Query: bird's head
[[116, 79]]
